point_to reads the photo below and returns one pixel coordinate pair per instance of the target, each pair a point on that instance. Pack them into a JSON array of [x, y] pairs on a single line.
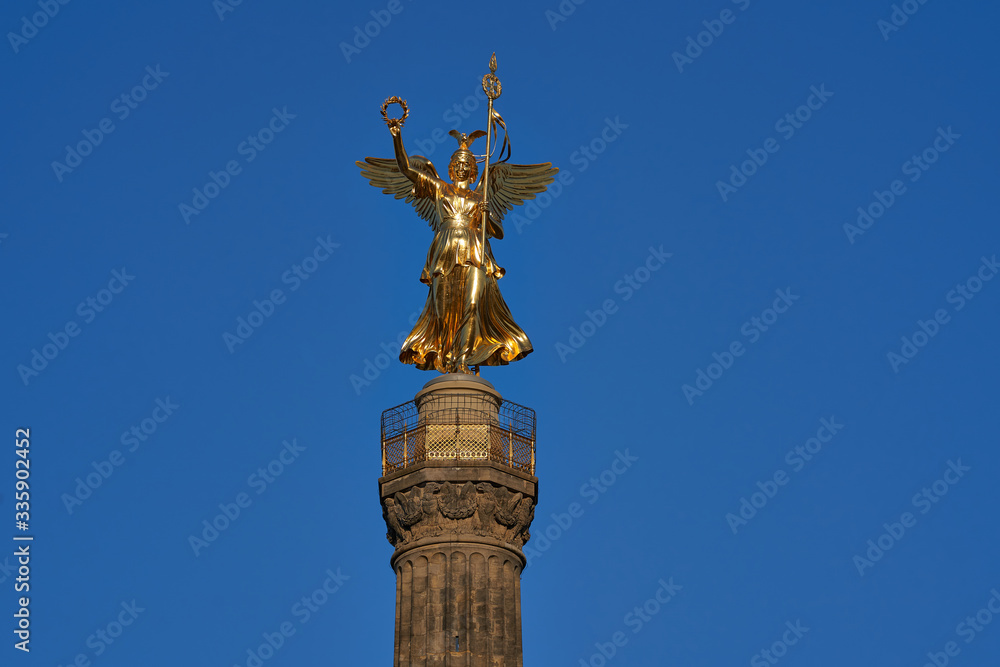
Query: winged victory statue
[[465, 322]]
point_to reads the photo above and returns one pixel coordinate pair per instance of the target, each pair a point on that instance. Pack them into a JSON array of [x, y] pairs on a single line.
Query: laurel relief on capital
[[436, 508]]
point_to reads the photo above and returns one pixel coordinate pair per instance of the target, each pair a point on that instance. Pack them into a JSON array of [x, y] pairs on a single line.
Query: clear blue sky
[[739, 138]]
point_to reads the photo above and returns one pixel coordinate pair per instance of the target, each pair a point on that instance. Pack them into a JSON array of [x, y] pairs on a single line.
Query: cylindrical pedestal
[[458, 521], [456, 398]]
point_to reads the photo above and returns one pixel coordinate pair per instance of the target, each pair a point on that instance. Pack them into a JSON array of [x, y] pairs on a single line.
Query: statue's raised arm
[[387, 173], [402, 159]]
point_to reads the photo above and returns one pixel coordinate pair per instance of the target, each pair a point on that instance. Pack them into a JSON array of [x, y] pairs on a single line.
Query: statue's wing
[[511, 185], [384, 173]]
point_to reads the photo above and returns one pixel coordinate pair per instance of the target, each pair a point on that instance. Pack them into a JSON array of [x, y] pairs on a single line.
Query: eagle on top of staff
[[465, 322]]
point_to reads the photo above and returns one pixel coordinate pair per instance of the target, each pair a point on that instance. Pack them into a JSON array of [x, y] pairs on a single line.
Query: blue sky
[[787, 376]]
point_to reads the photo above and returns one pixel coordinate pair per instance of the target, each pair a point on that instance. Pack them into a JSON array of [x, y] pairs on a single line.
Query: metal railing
[[456, 426]]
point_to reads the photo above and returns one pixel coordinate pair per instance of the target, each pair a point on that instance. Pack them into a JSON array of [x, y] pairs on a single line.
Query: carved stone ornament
[[433, 509]]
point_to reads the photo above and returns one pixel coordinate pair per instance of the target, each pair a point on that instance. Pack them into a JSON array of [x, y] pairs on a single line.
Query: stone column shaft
[[458, 607]]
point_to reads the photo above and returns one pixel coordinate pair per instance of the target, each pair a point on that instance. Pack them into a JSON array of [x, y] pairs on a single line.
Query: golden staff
[[491, 86]]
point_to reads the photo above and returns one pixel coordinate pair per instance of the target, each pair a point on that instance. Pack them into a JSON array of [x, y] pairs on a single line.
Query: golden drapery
[[465, 321]]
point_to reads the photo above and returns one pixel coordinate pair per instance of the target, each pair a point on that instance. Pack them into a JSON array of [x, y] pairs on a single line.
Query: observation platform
[[458, 417]]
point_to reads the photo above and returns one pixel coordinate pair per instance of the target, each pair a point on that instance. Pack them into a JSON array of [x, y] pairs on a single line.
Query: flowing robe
[[465, 321]]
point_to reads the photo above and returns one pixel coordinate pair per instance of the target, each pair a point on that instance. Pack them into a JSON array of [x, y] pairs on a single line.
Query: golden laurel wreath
[[398, 122], [491, 86]]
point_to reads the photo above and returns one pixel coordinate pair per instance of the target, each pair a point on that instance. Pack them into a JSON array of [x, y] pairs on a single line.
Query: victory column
[[458, 489]]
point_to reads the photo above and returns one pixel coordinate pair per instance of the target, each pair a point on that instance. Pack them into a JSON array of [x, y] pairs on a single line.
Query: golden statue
[[465, 322]]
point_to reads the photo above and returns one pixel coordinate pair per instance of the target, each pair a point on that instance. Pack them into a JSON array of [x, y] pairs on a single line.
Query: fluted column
[[458, 606]]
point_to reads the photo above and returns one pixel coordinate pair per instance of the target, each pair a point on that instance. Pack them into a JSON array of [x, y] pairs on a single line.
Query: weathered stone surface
[[458, 532], [458, 527], [483, 509], [458, 604]]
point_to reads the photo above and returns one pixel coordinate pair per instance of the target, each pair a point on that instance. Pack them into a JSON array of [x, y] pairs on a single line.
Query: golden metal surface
[[465, 321], [395, 121], [457, 441], [491, 86]]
